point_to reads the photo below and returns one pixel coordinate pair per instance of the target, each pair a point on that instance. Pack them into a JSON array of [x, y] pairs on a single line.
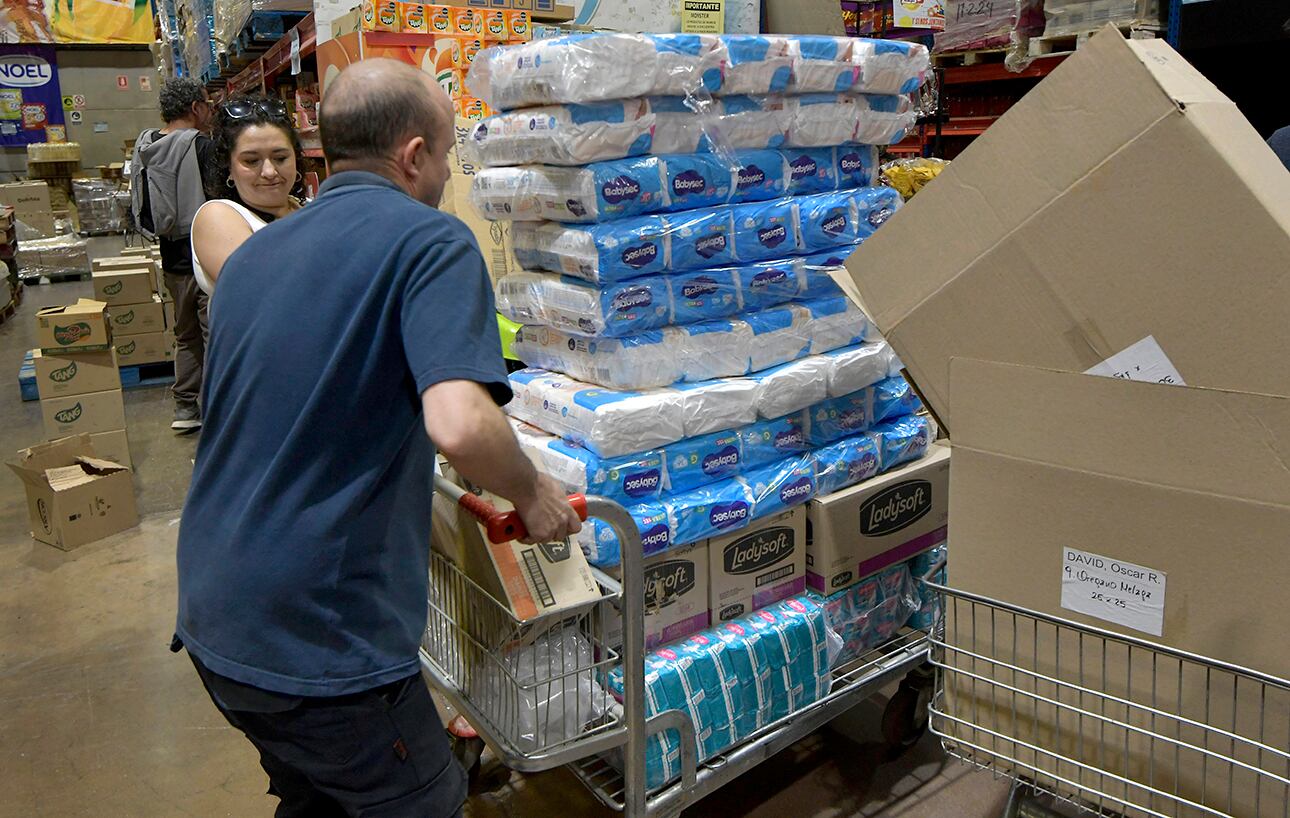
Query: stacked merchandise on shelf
[[230, 17], [196, 24], [971, 25], [689, 352], [172, 43], [1068, 17]]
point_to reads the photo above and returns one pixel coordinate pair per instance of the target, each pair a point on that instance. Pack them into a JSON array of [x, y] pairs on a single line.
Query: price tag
[[1143, 361], [1113, 591]]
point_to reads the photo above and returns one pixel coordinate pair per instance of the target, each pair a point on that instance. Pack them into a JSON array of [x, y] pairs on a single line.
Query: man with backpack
[[167, 187]]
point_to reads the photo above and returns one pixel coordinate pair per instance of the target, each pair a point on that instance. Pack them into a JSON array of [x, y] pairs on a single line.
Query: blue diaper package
[[624, 187], [811, 170], [629, 479], [599, 253], [702, 460], [920, 566], [700, 238], [600, 543], [710, 511], [696, 180], [633, 306], [765, 230], [779, 335], [780, 486], [770, 441], [857, 166], [816, 281], [894, 397], [904, 439], [759, 175], [836, 418], [874, 205], [766, 284], [704, 295], [827, 220], [849, 461]]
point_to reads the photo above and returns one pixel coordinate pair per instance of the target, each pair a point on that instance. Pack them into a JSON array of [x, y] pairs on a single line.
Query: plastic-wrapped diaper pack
[[870, 612], [696, 180], [889, 66], [600, 253], [855, 367], [709, 511], [609, 423], [715, 405], [768, 442], [769, 283], [828, 220], [792, 386], [564, 134], [630, 479], [573, 305], [875, 205], [779, 335], [600, 544], [904, 439], [711, 349], [831, 323], [757, 64], [589, 67], [646, 359], [700, 238], [699, 461], [847, 462], [766, 230], [859, 411], [733, 680], [703, 295], [810, 170], [597, 192], [782, 485]]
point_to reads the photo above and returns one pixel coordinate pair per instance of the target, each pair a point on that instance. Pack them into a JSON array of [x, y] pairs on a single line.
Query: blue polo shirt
[[303, 548]]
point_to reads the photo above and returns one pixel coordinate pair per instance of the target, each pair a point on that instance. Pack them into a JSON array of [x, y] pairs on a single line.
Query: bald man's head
[[375, 106]]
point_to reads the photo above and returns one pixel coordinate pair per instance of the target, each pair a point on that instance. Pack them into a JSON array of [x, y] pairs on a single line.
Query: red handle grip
[[504, 526]]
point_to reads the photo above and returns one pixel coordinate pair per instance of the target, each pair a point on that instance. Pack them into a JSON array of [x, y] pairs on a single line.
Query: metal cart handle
[[500, 526]]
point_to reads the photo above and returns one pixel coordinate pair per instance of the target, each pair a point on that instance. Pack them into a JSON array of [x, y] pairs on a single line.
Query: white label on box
[[1143, 361], [1114, 591]]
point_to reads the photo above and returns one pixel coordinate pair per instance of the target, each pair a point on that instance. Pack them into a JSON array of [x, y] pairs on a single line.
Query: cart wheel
[[468, 750], [905, 718]]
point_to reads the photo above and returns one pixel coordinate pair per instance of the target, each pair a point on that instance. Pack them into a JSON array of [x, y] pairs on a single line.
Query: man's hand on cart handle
[[560, 516]]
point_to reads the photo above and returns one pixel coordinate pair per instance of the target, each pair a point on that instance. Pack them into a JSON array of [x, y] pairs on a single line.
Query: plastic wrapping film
[[637, 186], [653, 302], [695, 352], [546, 704], [972, 25], [732, 680], [1066, 17], [580, 133], [589, 67], [231, 16], [58, 256], [869, 613], [925, 617], [101, 205], [717, 236]]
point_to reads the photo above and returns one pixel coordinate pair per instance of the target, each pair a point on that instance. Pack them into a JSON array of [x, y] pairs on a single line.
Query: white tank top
[[253, 221]]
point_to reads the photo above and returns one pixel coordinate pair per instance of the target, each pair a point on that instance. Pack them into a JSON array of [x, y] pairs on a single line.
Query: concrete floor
[[99, 719]]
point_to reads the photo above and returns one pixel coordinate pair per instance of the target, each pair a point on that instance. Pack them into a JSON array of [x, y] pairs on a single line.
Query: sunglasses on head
[[242, 108]]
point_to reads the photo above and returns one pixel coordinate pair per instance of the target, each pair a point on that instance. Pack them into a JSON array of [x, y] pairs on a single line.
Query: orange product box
[[439, 19], [462, 50], [495, 26], [517, 25], [380, 15], [414, 18], [467, 22], [472, 108], [452, 82]]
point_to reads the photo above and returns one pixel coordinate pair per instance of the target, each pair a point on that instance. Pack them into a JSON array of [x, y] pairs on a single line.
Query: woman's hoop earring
[[300, 177], [229, 182]]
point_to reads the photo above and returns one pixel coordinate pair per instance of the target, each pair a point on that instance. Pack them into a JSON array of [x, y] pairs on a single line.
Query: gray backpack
[[166, 183]]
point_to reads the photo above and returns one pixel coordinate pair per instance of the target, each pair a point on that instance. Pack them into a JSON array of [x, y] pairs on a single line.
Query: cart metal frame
[[1003, 685], [626, 729]]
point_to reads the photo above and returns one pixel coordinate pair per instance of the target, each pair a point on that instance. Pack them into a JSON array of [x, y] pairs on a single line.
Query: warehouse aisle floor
[[100, 719]]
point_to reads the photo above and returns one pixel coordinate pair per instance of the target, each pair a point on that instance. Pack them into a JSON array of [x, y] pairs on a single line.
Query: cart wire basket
[[1113, 724]]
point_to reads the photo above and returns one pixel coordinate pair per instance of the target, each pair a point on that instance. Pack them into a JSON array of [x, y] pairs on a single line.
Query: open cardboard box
[[1122, 219], [73, 497]]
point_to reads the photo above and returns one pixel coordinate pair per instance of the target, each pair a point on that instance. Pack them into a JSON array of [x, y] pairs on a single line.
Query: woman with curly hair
[[256, 172]]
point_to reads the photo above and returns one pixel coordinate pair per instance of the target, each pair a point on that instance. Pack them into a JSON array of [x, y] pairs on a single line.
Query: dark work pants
[[377, 754], [191, 334]]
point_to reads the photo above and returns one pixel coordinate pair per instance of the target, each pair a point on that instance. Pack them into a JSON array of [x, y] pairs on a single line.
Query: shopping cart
[[531, 689], [1112, 724]]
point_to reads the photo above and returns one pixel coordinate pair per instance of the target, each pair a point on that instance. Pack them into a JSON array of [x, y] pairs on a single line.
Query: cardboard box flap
[[96, 465], [1066, 233], [38, 459], [1212, 441]]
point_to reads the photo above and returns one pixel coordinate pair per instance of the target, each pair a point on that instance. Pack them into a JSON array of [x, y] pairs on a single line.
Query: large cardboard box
[[26, 197], [1122, 199], [83, 414], [123, 285], [75, 374], [73, 497], [124, 262], [147, 348], [757, 566], [494, 238], [861, 530], [532, 581], [1158, 512], [79, 327], [135, 319], [676, 596]]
